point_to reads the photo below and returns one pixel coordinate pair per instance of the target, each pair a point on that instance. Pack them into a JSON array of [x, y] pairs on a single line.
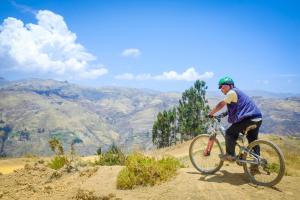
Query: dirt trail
[[229, 183], [39, 182]]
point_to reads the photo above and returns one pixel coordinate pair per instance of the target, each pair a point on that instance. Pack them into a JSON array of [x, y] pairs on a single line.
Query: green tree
[[5, 129], [172, 116], [161, 131], [188, 118], [192, 111]]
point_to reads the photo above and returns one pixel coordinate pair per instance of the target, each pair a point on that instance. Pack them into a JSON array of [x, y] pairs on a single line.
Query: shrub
[[114, 156], [56, 146], [86, 195], [89, 195], [57, 162], [274, 167], [142, 170], [99, 151]]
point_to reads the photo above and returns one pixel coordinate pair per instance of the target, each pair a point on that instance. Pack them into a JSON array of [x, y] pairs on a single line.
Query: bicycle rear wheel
[[207, 164], [270, 167]]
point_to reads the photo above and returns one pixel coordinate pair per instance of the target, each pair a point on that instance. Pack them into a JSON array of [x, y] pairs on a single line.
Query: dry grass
[[290, 148], [8, 165]]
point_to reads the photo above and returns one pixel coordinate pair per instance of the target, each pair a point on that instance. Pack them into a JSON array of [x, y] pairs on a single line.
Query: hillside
[[99, 117], [39, 109], [39, 182]]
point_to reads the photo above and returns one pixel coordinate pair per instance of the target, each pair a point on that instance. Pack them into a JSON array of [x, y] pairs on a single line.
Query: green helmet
[[225, 81]]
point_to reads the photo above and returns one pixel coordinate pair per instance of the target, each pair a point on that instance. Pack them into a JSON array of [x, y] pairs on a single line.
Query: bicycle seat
[[249, 128]]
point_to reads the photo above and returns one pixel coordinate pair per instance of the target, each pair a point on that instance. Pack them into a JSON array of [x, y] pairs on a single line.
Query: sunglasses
[[220, 86]]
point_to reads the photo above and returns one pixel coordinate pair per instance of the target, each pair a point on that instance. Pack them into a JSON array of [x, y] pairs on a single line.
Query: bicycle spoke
[[270, 164], [201, 159]]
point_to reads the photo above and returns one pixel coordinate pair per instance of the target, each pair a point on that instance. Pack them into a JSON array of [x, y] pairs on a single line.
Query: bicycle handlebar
[[220, 116]]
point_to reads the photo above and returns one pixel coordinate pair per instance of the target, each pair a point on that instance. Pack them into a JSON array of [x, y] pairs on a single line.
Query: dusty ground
[[39, 182]]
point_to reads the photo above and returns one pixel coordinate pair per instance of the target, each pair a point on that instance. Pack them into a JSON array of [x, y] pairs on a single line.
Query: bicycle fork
[[209, 146]]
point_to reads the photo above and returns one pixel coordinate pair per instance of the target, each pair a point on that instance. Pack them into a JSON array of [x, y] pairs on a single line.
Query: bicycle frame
[[250, 156], [217, 128]]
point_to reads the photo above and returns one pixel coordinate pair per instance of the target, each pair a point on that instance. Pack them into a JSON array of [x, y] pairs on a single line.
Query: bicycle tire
[[193, 151], [279, 168]]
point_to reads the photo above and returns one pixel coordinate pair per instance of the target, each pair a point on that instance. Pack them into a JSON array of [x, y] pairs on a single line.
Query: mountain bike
[[205, 151]]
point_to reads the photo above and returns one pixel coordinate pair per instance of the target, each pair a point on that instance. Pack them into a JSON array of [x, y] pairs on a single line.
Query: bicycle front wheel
[[207, 163], [268, 166]]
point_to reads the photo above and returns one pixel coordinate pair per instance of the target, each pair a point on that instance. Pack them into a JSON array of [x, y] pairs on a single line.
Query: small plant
[[57, 162], [114, 156], [99, 151], [56, 146], [143, 170], [59, 159], [274, 167], [86, 195], [89, 195]]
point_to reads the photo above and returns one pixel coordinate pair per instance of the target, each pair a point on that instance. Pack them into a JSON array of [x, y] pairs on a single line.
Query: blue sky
[[161, 45]]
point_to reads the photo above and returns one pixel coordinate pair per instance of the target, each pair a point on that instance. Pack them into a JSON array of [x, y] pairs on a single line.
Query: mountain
[[280, 115], [3, 81], [39, 110], [257, 93]]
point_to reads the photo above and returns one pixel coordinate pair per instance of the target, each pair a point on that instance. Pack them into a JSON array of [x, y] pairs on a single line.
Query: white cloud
[[135, 53], [93, 73], [48, 46], [188, 75]]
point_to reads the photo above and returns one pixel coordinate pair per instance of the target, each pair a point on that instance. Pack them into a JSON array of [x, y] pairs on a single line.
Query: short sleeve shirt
[[231, 97]]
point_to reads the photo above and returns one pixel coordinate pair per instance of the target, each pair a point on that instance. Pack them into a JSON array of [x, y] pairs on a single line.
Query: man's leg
[[232, 133], [253, 135]]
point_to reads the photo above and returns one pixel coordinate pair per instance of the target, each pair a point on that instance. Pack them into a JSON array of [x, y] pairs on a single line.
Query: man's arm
[[218, 107]]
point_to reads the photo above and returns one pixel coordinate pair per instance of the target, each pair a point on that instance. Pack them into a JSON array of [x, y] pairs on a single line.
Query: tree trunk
[[2, 147]]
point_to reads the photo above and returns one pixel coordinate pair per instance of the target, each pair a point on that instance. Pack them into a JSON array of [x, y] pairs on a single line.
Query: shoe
[[254, 169], [227, 157]]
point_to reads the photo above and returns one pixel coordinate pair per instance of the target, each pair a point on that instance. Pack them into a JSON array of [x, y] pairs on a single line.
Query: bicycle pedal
[[226, 157]]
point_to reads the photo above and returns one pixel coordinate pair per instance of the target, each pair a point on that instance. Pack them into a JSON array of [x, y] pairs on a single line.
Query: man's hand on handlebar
[[210, 116]]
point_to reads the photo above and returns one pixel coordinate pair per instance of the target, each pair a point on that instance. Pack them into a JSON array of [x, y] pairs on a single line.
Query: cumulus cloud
[[188, 75], [135, 53], [48, 46]]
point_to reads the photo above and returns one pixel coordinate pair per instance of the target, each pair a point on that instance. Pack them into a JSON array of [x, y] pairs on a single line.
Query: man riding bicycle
[[242, 113]]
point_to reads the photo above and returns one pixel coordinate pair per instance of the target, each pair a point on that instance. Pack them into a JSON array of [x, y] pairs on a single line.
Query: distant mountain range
[[41, 109], [258, 93], [3, 81]]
